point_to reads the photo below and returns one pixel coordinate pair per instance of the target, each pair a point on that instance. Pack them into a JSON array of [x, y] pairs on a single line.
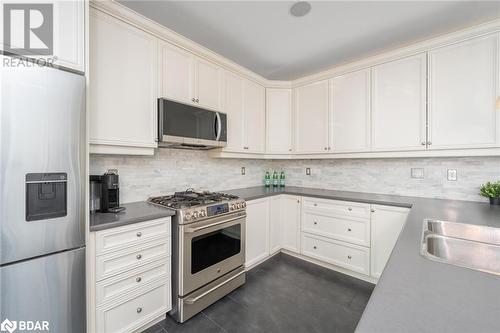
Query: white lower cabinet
[[257, 231], [387, 223], [346, 255], [356, 237], [130, 276]]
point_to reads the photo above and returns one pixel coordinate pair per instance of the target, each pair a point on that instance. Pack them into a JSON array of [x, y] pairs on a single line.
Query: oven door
[[210, 249]]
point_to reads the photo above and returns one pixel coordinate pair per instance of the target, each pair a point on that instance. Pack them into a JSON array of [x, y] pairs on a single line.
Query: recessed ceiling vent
[[300, 9]]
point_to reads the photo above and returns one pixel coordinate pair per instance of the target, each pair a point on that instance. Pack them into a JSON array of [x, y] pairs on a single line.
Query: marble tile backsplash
[[171, 170]]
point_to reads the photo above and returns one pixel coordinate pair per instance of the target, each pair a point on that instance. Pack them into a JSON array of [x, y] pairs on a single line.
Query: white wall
[[172, 170]]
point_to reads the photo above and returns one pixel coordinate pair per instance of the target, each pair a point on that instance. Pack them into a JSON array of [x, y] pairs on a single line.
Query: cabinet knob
[[349, 257], [245, 147], [315, 222], [289, 149], [423, 143], [139, 256], [326, 148], [349, 229], [429, 143], [314, 247], [139, 234], [193, 100], [197, 100], [372, 210], [138, 279], [349, 209], [329, 148], [315, 205], [139, 310], [298, 201]]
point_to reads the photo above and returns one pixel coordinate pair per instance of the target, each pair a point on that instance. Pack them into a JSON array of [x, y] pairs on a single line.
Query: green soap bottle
[[267, 179], [282, 179], [275, 179]]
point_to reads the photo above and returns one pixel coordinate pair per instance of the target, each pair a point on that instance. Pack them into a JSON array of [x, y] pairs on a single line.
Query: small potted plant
[[491, 190]]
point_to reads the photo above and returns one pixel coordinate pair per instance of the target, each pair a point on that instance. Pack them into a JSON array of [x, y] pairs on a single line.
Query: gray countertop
[[415, 294], [134, 212]]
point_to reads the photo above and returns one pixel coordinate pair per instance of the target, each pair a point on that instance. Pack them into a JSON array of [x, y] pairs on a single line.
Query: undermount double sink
[[465, 245]]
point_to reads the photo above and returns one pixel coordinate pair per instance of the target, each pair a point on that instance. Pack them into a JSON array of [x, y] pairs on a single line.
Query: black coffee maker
[[109, 201]]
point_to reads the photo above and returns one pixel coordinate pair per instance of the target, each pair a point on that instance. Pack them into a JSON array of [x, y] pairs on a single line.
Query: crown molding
[[123, 13]]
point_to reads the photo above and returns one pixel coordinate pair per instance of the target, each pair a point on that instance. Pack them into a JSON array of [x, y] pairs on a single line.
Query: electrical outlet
[[243, 170], [417, 173], [308, 171], [452, 174]]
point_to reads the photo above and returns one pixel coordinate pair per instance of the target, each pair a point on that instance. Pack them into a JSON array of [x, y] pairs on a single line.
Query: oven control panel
[[217, 209]]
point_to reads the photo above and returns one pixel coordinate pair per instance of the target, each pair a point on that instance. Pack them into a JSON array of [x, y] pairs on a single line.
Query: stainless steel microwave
[[190, 127]]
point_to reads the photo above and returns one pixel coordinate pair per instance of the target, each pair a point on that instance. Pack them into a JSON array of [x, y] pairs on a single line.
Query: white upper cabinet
[[311, 118], [189, 79], [123, 86], [68, 34], [208, 84], [233, 107], [399, 104], [350, 112], [177, 73], [463, 86], [254, 117], [279, 120]]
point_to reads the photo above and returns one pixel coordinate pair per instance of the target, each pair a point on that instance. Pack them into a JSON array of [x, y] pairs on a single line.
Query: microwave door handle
[[217, 126]]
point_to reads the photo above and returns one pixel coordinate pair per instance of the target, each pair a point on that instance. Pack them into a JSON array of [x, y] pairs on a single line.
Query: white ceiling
[[264, 37]]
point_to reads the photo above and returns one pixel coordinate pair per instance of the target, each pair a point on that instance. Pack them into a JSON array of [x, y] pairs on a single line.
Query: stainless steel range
[[208, 245]]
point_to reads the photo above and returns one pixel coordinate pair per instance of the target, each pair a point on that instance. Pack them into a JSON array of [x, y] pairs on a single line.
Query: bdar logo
[[8, 325], [28, 28]]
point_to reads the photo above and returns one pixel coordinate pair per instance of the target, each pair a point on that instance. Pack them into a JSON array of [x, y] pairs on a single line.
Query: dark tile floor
[[284, 294]]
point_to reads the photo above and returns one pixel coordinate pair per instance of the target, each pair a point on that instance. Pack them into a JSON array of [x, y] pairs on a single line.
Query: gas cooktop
[[190, 198]]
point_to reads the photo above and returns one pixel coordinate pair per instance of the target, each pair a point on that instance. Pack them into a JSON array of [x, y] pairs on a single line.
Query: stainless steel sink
[[466, 245]]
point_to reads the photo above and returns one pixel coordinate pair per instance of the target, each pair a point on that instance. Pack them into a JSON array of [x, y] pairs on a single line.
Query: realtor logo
[[8, 325], [28, 29]]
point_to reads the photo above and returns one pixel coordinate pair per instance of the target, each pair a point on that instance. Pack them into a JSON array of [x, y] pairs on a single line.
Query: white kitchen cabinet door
[[350, 112], [278, 121], [123, 89], [257, 231], [208, 85], [254, 106], [233, 107], [386, 225], [177, 74], [290, 222], [463, 86], [275, 223], [68, 34], [311, 118], [399, 105]]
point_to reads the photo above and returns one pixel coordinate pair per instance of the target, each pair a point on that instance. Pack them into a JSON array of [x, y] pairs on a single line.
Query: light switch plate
[[417, 173], [452, 174], [308, 171]]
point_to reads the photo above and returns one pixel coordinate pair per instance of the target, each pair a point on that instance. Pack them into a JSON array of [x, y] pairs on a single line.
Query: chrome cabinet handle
[[138, 279], [139, 234], [139, 310], [245, 147], [372, 210], [191, 230], [139, 256]]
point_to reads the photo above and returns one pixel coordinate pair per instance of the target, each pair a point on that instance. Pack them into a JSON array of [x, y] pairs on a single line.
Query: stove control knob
[[238, 205], [196, 214], [187, 217], [243, 204], [203, 213], [233, 206]]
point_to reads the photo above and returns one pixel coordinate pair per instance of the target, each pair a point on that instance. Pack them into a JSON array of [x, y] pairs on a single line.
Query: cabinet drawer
[[126, 316], [117, 262], [136, 234], [337, 207], [353, 257], [111, 288], [353, 230]]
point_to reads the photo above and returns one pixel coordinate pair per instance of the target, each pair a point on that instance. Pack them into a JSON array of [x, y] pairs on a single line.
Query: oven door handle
[[191, 230], [197, 298]]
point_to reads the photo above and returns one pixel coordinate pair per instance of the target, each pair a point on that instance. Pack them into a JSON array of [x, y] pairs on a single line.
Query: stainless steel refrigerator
[[42, 160]]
